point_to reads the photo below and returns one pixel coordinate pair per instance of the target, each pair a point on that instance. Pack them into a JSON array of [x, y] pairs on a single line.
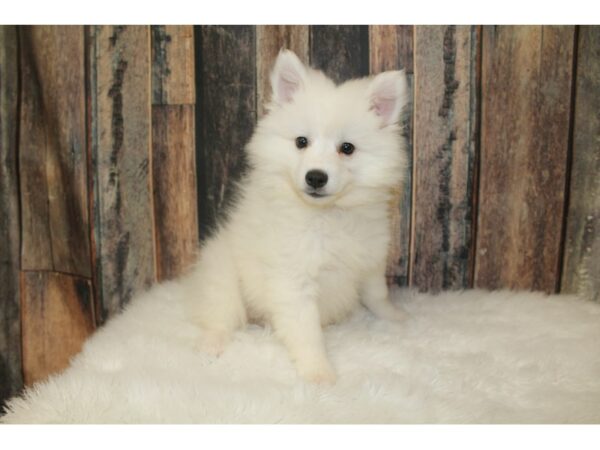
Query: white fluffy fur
[[459, 357], [292, 260]]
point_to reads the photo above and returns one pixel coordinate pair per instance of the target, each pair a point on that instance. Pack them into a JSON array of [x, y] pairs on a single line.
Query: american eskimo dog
[[307, 240]]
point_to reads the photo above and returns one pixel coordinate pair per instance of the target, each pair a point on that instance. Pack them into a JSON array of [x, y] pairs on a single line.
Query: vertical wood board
[[581, 269], [59, 316], [444, 156], [11, 379], [175, 201], [52, 150], [341, 51], [120, 91], [225, 116], [391, 48], [526, 77], [173, 65]]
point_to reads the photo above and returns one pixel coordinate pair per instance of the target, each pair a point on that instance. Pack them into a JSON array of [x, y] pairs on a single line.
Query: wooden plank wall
[[97, 185], [110, 188]]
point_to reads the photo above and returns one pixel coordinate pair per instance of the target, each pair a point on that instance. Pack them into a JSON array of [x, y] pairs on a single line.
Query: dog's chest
[[341, 243]]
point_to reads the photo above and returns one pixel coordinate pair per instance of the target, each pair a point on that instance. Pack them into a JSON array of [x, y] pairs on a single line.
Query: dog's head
[[332, 144]]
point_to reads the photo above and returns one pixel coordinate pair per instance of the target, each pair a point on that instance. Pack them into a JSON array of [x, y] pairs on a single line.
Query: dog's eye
[[301, 142], [347, 148]]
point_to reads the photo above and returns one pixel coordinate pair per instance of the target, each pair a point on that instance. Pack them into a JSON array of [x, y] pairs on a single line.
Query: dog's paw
[[396, 314], [213, 342], [321, 374]]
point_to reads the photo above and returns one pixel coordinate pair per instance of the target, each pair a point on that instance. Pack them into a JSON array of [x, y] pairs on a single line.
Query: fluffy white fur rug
[[459, 358]]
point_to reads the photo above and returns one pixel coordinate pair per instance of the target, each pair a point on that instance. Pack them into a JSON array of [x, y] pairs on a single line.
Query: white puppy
[[308, 237]]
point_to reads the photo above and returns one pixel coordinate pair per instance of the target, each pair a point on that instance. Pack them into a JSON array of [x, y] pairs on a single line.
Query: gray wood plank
[[444, 156], [225, 115], [11, 378], [581, 268], [120, 97]]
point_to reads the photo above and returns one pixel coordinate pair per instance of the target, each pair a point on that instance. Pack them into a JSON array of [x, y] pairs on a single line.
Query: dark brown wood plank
[[58, 316], [391, 49], [173, 65], [444, 156], [526, 77], [120, 97], [11, 378], [175, 200], [341, 51], [52, 153], [270, 39], [581, 269], [225, 115]]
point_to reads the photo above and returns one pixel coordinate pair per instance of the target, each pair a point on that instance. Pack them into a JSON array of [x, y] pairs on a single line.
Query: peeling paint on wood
[[173, 65], [444, 156], [120, 97]]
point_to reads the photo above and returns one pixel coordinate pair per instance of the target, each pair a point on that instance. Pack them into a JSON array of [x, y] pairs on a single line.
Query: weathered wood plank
[[526, 76], [270, 39], [391, 49], [225, 115], [173, 65], [120, 90], [581, 269], [58, 316], [444, 140], [11, 378], [341, 51], [52, 154], [175, 200]]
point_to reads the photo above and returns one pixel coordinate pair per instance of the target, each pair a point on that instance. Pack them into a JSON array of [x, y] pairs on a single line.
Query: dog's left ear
[[288, 76], [388, 94]]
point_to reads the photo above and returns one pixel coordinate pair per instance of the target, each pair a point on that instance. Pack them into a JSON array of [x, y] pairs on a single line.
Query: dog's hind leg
[[375, 296], [213, 298]]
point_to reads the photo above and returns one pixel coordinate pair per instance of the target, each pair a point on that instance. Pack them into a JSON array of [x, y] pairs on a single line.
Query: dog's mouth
[[316, 194]]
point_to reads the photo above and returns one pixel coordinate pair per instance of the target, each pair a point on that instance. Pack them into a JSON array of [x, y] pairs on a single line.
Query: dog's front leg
[[297, 324]]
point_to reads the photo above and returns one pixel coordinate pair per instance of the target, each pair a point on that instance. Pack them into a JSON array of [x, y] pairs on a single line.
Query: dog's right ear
[[288, 76]]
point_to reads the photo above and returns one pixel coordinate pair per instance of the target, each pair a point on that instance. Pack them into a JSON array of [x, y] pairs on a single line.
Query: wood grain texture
[[444, 156], [526, 76], [581, 269], [270, 39], [59, 316], [120, 98], [175, 200], [390, 48], [225, 115], [11, 379], [52, 154], [341, 51], [173, 65]]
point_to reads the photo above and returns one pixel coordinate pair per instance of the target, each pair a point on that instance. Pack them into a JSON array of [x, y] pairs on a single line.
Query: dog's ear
[[288, 76], [388, 94]]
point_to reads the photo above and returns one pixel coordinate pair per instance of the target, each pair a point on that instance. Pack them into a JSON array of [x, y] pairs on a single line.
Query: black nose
[[316, 178]]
